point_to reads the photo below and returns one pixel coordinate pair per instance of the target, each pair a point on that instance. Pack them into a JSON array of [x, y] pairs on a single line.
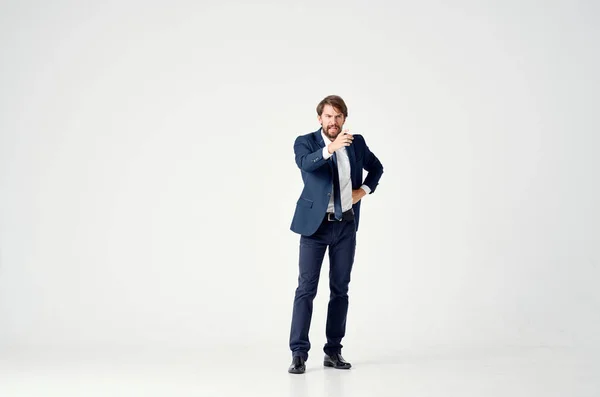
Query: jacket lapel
[[321, 142], [319, 138], [352, 158]]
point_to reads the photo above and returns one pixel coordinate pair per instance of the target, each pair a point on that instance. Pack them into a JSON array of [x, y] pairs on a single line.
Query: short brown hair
[[336, 102]]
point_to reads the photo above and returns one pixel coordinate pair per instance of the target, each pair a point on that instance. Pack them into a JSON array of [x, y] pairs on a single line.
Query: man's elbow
[[305, 165], [378, 168]]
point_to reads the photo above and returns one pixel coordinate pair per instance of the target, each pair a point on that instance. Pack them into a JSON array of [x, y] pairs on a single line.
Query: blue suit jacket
[[317, 174]]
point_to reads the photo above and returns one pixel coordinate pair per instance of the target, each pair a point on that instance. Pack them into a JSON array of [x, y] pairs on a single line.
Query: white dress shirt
[[343, 164]]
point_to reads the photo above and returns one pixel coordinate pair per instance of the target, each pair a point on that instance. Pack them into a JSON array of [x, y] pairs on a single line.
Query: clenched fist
[[344, 138]]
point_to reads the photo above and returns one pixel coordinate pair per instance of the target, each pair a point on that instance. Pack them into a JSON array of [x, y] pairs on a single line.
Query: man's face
[[332, 121]]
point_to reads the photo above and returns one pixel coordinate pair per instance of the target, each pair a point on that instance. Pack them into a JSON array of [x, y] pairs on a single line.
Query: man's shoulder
[[358, 138], [310, 134], [306, 137]]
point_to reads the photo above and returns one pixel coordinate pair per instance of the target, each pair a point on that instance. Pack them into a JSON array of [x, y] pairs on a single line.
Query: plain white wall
[[147, 175]]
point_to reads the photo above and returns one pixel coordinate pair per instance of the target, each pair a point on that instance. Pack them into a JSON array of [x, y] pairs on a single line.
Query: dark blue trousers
[[340, 237]]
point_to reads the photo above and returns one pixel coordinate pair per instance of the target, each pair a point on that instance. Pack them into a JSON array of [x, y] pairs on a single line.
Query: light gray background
[[147, 175]]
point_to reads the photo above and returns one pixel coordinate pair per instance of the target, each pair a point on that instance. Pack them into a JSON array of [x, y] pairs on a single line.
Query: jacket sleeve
[[371, 164], [307, 159]]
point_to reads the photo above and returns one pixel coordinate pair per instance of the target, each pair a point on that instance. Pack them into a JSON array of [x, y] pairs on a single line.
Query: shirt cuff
[[326, 154], [366, 188]]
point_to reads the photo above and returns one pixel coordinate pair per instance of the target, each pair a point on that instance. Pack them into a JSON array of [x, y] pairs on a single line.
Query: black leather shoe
[[298, 366], [336, 361]]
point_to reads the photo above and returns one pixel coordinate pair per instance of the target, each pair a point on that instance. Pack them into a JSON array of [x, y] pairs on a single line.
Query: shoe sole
[[332, 365]]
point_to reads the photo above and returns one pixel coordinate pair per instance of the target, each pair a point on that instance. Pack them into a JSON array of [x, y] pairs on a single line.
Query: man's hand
[[343, 139], [357, 194]]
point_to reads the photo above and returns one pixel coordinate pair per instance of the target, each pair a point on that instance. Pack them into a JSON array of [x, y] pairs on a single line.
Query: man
[[331, 161]]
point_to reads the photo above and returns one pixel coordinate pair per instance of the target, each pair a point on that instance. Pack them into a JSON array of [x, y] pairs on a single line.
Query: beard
[[332, 131]]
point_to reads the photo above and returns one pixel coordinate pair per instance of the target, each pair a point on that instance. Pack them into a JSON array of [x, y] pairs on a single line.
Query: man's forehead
[[331, 110]]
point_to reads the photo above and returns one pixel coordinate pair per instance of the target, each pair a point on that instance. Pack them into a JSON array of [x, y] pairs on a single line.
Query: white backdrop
[[147, 175]]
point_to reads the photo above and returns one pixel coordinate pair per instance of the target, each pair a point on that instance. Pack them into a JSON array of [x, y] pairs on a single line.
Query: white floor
[[564, 372]]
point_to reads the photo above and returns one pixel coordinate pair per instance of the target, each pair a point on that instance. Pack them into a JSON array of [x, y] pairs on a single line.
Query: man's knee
[[307, 287]]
